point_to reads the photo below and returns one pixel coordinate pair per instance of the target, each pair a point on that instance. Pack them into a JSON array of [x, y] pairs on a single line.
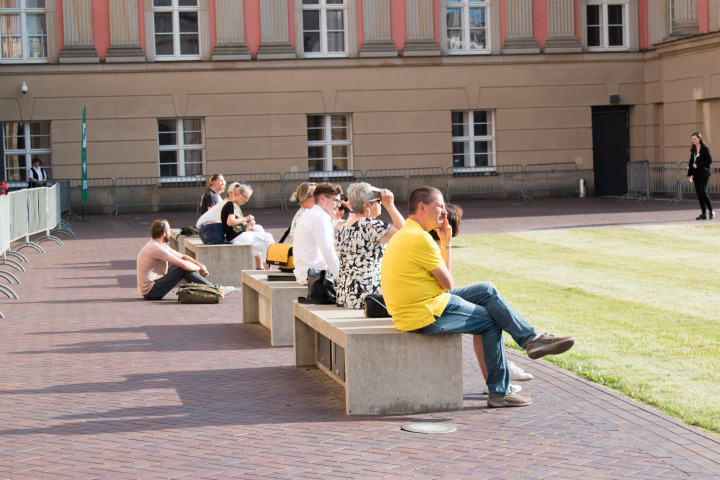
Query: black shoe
[[701, 217]]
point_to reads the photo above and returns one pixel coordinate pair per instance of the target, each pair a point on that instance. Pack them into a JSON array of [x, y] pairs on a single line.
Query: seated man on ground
[[314, 240], [418, 289], [154, 278]]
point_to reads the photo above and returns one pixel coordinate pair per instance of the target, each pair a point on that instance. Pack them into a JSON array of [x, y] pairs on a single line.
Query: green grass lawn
[[643, 303]]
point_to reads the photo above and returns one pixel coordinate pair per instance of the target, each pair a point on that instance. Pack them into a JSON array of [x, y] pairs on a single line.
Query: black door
[[611, 149]]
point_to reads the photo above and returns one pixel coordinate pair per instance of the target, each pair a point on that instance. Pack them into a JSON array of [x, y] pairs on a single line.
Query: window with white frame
[[329, 143], [177, 35], [23, 31], [466, 26], [21, 143], [607, 25], [473, 139], [324, 27], [180, 147]]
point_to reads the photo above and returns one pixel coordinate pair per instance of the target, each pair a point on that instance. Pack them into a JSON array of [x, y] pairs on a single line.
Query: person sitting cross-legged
[[154, 278], [418, 289]]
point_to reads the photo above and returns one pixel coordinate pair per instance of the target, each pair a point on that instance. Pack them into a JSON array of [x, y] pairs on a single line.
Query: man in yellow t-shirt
[[418, 289]]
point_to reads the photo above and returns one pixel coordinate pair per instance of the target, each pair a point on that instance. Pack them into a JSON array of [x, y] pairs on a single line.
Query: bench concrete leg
[[304, 345], [391, 375], [280, 310], [250, 307]]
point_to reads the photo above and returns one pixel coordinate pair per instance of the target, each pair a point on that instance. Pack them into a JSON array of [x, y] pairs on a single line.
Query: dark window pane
[[459, 148], [310, 2], [168, 170], [615, 14], [314, 121], [593, 36], [166, 132], [163, 23], [189, 45], [162, 3], [169, 156], [188, 22], [187, 3], [316, 153], [164, 45], [615, 37], [593, 15], [311, 42], [316, 165], [311, 20], [34, 3]]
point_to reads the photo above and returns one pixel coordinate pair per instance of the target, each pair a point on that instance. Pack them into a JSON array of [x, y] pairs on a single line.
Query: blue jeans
[[479, 309], [167, 282]]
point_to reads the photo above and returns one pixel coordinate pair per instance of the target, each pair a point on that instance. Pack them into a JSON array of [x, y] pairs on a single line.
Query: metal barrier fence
[[156, 193], [268, 188], [666, 178], [100, 195], [402, 181], [5, 229], [638, 180], [550, 176], [502, 179], [291, 180], [18, 225]]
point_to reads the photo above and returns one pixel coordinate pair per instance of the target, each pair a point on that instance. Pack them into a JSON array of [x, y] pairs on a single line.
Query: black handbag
[[375, 306], [321, 288]]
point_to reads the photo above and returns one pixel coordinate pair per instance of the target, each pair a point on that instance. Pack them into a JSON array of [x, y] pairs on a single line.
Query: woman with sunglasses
[[361, 243]]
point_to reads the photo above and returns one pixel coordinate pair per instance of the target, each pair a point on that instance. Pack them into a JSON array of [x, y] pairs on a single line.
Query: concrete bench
[[224, 262], [270, 304], [177, 241], [383, 370]]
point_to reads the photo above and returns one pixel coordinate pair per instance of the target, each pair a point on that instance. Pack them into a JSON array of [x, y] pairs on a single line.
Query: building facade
[[191, 87]]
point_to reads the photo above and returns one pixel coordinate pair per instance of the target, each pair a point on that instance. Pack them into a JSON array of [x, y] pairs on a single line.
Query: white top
[[314, 244], [212, 215], [39, 175]]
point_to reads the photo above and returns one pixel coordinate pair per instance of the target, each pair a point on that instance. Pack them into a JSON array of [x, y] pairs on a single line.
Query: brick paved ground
[[96, 383]]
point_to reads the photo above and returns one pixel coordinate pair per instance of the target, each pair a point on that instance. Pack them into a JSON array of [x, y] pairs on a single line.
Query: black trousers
[[701, 185]]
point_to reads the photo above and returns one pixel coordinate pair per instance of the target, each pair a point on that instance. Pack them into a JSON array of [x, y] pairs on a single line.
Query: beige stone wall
[[254, 112], [683, 96]]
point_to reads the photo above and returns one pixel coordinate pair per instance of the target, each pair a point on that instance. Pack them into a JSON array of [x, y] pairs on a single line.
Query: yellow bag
[[281, 254]]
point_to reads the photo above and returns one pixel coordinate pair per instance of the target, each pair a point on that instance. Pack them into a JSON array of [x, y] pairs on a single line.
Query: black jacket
[[703, 163]]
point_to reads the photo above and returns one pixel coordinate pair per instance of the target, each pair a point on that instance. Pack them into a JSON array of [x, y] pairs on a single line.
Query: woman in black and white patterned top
[[361, 243]]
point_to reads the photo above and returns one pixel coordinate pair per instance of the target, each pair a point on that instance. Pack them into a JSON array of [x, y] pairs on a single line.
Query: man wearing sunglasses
[[314, 240]]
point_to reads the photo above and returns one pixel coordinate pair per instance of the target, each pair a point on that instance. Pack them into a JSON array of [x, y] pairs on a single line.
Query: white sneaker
[[513, 389], [227, 289], [517, 373]]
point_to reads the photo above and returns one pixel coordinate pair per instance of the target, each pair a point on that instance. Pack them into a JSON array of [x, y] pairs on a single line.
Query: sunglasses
[[375, 200]]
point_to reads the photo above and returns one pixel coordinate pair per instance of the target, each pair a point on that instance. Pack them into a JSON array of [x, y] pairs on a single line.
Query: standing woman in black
[[699, 174]]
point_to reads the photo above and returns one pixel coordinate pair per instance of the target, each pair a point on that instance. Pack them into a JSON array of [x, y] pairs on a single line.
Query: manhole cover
[[426, 427]]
